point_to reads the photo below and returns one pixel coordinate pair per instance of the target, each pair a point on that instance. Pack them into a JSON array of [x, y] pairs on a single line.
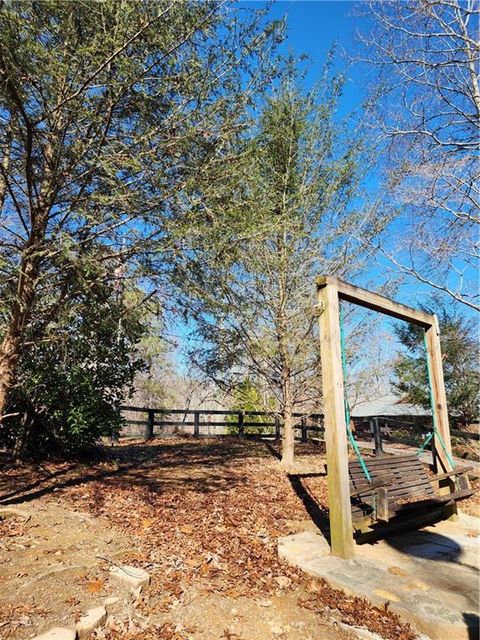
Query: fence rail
[[271, 425], [377, 428]]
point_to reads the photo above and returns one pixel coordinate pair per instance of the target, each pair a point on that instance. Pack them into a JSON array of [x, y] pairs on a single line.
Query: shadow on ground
[[317, 513], [193, 465]]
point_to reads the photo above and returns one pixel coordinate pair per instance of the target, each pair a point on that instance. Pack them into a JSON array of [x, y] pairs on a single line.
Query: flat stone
[[359, 632], [108, 602], [283, 582], [57, 633], [132, 576], [91, 620], [429, 576]]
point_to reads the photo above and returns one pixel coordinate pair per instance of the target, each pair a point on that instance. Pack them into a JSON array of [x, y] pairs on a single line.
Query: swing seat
[[400, 485]]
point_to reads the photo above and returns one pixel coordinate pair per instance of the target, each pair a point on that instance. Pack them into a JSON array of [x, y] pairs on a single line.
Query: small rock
[[397, 571], [133, 576], [111, 600], [234, 611], [111, 624], [276, 629], [283, 582], [91, 620], [264, 603], [57, 633]]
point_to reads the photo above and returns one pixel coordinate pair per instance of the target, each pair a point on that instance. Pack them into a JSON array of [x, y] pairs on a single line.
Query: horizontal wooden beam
[[376, 302]]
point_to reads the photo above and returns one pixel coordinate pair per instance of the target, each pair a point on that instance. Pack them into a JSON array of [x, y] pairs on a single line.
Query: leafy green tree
[[247, 397], [459, 341], [289, 214], [108, 113], [70, 383]]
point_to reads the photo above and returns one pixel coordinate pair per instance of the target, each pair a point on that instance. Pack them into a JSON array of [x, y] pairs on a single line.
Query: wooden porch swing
[[363, 493]]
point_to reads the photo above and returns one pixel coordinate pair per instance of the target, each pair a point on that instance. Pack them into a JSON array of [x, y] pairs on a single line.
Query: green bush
[[71, 384]]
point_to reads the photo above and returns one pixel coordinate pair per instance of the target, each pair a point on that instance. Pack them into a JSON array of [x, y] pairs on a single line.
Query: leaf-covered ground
[[203, 517]]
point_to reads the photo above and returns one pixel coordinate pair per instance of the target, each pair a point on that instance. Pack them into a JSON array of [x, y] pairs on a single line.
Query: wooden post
[[150, 423], [277, 428], [240, 424], [303, 424], [439, 399], [377, 437], [341, 532], [196, 424]]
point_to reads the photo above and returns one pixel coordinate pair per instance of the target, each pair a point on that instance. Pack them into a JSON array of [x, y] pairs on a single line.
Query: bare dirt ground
[[202, 517]]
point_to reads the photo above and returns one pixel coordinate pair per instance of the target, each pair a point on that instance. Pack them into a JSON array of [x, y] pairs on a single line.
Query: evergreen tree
[[290, 214], [108, 113], [459, 341]]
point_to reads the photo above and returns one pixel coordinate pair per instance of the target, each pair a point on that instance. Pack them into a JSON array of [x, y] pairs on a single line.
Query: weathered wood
[[439, 399], [341, 533], [454, 472], [365, 488], [377, 437], [196, 425], [404, 487], [150, 424], [303, 426], [375, 301], [382, 511], [240, 423]]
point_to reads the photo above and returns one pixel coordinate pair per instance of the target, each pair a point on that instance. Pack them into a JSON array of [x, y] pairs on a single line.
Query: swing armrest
[[449, 474], [365, 488]]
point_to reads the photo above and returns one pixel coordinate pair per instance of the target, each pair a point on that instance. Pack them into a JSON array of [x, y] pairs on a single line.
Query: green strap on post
[[434, 420], [351, 438]]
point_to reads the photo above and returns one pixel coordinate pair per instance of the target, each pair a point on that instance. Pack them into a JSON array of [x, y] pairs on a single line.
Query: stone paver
[[429, 577], [57, 633], [131, 576], [93, 619]]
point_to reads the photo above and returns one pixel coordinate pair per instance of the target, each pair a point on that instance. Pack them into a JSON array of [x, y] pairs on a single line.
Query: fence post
[[150, 424], [377, 437], [277, 428], [303, 425], [196, 424], [240, 424]]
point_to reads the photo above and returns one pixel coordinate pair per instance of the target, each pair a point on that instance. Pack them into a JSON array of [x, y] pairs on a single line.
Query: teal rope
[[425, 443], [435, 429], [351, 438]]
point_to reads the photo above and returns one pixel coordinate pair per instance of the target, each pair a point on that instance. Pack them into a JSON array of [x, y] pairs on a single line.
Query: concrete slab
[[430, 577]]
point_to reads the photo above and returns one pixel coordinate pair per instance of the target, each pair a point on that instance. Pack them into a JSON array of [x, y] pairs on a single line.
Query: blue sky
[[312, 28]]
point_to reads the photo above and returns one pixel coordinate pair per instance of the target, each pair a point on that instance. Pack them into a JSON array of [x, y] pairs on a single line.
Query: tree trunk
[[9, 353], [288, 440], [11, 344], [21, 438]]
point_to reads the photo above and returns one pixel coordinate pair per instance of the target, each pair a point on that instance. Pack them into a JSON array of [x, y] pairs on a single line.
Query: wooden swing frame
[[331, 291]]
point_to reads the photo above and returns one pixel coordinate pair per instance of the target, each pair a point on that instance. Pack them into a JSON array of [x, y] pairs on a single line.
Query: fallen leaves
[[356, 611], [95, 586], [213, 530]]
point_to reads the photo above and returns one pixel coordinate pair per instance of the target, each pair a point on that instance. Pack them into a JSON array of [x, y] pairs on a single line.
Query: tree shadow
[[472, 622], [192, 465], [428, 550]]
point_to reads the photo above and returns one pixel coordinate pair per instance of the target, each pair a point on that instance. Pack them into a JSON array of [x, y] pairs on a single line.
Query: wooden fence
[[198, 422], [240, 422]]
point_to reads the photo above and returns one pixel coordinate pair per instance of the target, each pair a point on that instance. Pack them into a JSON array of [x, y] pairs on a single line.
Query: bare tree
[[426, 107]]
